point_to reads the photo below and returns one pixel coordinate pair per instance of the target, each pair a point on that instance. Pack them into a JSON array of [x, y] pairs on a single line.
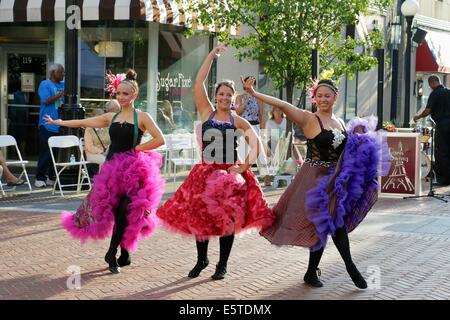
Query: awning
[[433, 55], [162, 11]]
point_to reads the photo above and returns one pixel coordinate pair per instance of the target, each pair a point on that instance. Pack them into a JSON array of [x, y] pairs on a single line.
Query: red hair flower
[[112, 82], [313, 90]]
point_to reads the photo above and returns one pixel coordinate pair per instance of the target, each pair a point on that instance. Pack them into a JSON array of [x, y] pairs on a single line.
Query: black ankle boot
[[356, 276], [110, 259], [124, 259], [312, 278], [221, 271], [201, 264]]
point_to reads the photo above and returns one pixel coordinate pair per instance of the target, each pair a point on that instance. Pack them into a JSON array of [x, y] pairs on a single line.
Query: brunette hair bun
[[131, 75]]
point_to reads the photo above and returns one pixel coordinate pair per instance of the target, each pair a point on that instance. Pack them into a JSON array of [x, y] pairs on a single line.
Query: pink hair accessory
[[112, 82], [313, 90]]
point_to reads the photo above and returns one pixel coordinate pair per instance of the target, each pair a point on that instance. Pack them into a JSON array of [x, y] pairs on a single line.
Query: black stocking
[[202, 259], [226, 243], [343, 245], [120, 223]]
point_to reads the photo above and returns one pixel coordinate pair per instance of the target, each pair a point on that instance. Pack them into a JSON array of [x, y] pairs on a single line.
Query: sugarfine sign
[[169, 81]]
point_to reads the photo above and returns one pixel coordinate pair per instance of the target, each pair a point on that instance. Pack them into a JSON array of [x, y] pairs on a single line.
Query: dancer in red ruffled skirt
[[221, 196]]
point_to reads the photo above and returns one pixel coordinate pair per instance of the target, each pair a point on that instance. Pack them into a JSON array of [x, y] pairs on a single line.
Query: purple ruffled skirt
[[321, 199]]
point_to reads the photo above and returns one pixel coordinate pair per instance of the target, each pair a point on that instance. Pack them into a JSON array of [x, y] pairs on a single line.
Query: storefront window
[[178, 62], [111, 46]]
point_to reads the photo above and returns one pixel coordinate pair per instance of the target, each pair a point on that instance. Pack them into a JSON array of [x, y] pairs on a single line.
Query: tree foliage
[[285, 32]]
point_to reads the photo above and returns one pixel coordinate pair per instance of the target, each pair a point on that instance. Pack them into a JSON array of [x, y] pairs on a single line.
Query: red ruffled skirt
[[213, 202]]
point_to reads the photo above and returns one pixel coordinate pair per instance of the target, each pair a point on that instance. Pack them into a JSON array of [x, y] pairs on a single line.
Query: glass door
[[26, 70]]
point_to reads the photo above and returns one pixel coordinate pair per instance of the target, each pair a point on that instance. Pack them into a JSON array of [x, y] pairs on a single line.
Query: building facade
[[147, 36]]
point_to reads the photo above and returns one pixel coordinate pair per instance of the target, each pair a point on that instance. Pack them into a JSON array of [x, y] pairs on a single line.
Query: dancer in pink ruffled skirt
[[221, 196], [129, 187]]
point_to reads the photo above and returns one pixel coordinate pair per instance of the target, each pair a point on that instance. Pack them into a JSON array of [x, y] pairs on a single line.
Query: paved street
[[402, 248]]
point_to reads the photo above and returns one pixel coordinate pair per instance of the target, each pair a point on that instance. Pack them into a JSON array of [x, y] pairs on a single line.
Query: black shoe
[[124, 259], [110, 259], [201, 264], [221, 271], [356, 276], [312, 278]]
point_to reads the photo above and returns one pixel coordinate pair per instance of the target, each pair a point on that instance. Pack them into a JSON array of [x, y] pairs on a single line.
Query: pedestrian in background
[[252, 110], [51, 93]]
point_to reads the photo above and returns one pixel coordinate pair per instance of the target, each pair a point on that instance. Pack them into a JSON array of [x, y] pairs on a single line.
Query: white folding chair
[[7, 141], [163, 151], [278, 159], [279, 155], [68, 142], [182, 151]]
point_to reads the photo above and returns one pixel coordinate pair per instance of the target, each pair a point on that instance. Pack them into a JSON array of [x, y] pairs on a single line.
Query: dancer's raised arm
[[299, 116], [202, 102]]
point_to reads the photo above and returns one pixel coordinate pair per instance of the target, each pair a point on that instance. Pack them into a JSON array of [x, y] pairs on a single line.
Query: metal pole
[[315, 70], [408, 71], [380, 88], [315, 63], [394, 85], [71, 109]]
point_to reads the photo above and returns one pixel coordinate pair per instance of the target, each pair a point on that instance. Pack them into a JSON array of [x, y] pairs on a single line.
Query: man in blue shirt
[[51, 93]]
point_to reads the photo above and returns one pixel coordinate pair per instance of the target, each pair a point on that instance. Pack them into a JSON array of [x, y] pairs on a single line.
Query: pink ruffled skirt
[[133, 174], [213, 202]]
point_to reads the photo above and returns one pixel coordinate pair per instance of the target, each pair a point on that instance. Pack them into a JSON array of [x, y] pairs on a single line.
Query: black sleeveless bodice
[[219, 141], [121, 135], [327, 145]]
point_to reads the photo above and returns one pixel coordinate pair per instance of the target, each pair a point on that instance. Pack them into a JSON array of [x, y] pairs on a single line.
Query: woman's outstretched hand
[[237, 169], [49, 120], [217, 51], [248, 85]]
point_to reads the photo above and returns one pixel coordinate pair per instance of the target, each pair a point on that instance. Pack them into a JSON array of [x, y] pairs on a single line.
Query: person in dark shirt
[[438, 106]]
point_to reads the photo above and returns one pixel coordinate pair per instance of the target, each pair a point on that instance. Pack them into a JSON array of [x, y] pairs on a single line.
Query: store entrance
[[20, 106]]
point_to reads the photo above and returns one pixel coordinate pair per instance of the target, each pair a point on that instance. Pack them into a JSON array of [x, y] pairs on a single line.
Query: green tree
[[285, 32]]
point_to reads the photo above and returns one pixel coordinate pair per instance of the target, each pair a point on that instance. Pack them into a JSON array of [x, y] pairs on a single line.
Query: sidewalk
[[401, 248]]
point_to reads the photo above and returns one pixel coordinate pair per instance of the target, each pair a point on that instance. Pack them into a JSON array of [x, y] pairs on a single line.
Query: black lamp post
[[315, 69], [409, 9], [395, 43], [373, 24], [380, 87], [71, 109]]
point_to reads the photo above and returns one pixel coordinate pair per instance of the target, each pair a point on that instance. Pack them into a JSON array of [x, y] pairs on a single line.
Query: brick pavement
[[405, 242]]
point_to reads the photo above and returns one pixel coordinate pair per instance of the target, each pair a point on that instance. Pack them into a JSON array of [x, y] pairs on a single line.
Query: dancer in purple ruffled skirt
[[129, 187], [337, 184]]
